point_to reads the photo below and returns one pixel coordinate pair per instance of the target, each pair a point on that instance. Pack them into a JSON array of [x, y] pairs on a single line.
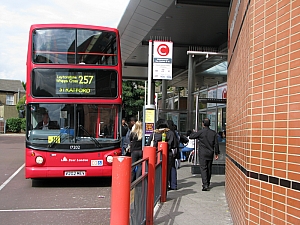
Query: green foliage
[[14, 125], [24, 85], [21, 103], [133, 95]]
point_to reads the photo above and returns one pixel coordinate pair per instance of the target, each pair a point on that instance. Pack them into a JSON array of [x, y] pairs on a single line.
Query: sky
[[16, 17]]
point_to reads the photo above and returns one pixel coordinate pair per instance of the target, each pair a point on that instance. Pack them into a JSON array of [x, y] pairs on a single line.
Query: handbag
[[183, 139], [127, 151], [174, 152], [152, 141]]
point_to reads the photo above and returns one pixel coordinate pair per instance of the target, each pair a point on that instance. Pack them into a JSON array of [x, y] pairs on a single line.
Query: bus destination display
[[75, 83]]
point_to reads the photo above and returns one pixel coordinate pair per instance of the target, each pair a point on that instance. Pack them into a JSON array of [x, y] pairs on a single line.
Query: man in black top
[[208, 147], [124, 132], [46, 123], [127, 137]]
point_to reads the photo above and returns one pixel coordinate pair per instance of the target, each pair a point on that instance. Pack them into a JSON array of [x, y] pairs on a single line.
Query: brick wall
[[263, 112]]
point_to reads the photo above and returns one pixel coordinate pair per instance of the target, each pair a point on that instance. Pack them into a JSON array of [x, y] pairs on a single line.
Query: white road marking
[[63, 209], [11, 177], [32, 210]]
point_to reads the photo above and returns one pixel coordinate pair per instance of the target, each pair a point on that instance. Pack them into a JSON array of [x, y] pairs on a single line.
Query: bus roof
[[65, 25]]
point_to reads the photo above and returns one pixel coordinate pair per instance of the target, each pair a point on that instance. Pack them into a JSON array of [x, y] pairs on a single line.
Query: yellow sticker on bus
[[54, 139]]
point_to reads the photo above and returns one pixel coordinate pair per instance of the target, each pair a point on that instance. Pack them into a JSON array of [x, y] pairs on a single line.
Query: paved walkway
[[189, 205]]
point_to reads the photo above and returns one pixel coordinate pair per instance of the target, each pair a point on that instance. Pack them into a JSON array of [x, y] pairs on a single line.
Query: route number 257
[[85, 79]]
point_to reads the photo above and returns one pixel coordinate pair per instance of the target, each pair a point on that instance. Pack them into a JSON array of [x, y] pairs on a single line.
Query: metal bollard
[[164, 147], [120, 200], [150, 152]]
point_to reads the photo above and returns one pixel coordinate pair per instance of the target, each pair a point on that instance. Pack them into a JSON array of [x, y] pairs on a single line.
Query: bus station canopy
[[192, 25]]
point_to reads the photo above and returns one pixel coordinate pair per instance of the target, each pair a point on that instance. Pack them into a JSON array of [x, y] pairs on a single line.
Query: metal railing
[[134, 205], [139, 193], [158, 177]]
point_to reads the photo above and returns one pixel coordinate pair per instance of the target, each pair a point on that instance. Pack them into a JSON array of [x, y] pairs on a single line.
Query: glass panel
[[54, 46], [182, 123], [96, 47], [71, 83], [203, 105], [220, 69], [72, 123], [211, 114]]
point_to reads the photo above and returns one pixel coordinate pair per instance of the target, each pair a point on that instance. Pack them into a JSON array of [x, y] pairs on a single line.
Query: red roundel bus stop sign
[[163, 50], [162, 60]]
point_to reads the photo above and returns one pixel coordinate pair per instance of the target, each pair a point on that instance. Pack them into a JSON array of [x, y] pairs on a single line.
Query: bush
[[14, 125]]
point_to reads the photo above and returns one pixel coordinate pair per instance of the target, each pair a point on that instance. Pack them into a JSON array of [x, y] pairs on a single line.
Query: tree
[[133, 96], [24, 85], [21, 104], [21, 107]]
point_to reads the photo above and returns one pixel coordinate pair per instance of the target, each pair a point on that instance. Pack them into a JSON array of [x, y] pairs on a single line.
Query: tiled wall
[[263, 112]]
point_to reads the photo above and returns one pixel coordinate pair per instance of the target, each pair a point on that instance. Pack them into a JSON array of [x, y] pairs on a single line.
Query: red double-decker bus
[[73, 100]]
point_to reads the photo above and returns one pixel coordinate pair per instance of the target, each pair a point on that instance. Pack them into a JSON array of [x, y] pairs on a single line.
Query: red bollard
[[164, 147], [120, 200], [150, 152]]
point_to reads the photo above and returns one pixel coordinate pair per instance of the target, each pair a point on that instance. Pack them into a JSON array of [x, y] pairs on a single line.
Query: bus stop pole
[[150, 94], [150, 152], [191, 88], [164, 181], [120, 200]]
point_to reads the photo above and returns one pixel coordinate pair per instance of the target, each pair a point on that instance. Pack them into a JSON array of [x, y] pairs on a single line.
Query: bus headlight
[[109, 159], [39, 159]]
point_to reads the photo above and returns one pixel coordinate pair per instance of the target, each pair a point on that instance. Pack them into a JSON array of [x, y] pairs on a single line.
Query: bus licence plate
[[74, 173]]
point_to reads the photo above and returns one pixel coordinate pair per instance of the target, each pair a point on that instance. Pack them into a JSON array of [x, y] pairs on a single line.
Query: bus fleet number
[[74, 146]]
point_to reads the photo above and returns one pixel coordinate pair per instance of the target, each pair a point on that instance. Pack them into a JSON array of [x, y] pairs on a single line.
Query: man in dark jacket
[[46, 123], [126, 143], [208, 147], [124, 132]]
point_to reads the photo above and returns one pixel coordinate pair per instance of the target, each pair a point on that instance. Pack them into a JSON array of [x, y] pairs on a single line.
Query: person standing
[[208, 147], [136, 137], [124, 132], [176, 156], [161, 128], [188, 147], [126, 144]]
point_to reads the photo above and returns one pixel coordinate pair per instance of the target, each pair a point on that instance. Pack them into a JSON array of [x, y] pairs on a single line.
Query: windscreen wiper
[[55, 139], [97, 143]]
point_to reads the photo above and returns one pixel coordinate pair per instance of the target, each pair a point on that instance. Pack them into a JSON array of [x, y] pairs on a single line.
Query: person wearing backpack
[[176, 156], [163, 127]]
